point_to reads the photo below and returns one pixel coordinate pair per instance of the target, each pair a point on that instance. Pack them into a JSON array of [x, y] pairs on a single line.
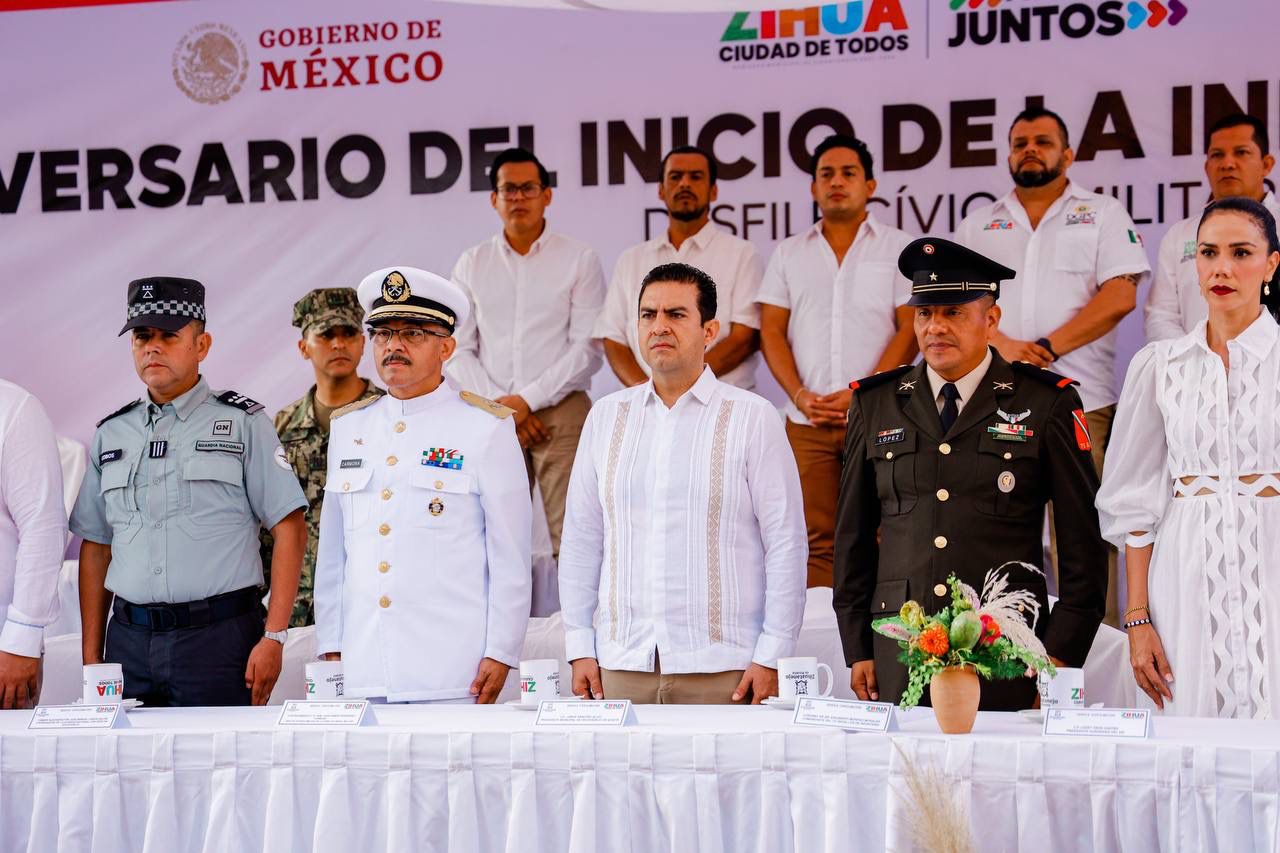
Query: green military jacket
[[306, 446]]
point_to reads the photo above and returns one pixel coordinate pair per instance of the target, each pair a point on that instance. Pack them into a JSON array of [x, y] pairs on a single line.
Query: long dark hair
[[1267, 225]]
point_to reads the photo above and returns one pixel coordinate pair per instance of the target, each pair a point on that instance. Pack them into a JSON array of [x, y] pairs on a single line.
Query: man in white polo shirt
[[687, 188], [1237, 163], [33, 533], [682, 567], [1079, 261], [833, 308], [535, 295]]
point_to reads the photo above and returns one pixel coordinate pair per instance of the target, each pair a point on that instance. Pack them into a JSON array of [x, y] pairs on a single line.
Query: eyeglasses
[[514, 191], [411, 336]]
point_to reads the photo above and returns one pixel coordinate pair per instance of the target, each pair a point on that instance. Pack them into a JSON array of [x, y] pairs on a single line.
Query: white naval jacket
[[422, 566]]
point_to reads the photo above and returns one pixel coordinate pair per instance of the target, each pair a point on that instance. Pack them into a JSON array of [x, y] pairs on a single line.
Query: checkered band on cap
[[172, 307]]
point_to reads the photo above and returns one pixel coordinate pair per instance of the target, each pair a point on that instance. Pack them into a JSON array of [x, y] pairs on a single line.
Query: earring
[[1266, 288]]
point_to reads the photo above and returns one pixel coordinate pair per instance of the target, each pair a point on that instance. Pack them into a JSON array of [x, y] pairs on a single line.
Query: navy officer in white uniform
[[422, 580]]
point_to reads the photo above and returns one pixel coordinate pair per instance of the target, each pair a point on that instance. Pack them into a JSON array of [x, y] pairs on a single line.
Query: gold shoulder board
[[494, 408]]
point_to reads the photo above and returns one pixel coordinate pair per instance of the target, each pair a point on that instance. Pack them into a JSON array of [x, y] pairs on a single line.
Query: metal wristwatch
[[278, 636]]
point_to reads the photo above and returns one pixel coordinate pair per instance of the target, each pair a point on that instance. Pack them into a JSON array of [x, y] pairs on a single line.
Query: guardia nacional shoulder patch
[[240, 401], [120, 411]]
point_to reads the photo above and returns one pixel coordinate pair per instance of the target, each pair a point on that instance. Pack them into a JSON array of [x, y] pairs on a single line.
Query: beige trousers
[[550, 463], [655, 688], [819, 452]]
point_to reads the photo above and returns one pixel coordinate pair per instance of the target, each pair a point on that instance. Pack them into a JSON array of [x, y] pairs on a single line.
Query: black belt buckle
[[162, 619]]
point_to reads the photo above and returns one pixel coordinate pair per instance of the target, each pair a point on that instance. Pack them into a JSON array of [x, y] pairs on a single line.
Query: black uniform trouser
[[186, 666]]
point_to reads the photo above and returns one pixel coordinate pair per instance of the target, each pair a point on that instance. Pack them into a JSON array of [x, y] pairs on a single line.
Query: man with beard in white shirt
[[1237, 163], [1079, 261], [687, 189], [682, 569], [832, 308]]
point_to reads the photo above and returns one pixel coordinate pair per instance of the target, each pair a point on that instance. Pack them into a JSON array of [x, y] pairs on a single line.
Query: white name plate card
[[320, 714], [106, 716], [1097, 722], [575, 712], [845, 714]]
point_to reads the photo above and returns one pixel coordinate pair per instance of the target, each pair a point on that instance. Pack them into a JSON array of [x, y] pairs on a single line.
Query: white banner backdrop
[[268, 148]]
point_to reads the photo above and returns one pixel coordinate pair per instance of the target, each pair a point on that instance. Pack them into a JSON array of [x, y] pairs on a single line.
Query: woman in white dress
[[1192, 485]]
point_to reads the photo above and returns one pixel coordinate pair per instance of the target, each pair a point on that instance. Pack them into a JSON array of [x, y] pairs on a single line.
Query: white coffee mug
[[539, 679], [103, 683], [324, 679], [799, 677], [1064, 690]]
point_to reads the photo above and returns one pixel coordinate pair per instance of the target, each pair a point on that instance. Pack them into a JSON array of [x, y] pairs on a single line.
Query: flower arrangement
[[988, 634]]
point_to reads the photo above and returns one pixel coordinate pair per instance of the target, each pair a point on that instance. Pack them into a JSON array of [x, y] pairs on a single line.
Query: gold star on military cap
[[409, 293], [326, 307]]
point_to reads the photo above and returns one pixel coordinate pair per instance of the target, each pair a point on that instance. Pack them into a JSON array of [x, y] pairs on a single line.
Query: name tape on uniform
[[222, 445]]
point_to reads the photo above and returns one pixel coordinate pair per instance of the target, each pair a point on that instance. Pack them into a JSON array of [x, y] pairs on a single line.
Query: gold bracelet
[[1136, 609]]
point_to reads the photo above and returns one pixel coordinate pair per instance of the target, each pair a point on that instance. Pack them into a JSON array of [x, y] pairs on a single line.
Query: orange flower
[[934, 640]]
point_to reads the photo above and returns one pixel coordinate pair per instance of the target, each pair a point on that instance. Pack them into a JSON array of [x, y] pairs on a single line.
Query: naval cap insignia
[[395, 288]]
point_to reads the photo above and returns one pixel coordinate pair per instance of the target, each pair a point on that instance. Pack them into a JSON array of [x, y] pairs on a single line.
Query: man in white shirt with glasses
[[535, 295]]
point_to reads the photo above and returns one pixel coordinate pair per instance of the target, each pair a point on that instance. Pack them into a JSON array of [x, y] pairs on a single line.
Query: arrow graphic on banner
[[1177, 11], [1137, 14], [1158, 13]]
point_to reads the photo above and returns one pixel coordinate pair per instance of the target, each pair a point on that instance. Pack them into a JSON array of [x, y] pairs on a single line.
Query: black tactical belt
[[192, 614]]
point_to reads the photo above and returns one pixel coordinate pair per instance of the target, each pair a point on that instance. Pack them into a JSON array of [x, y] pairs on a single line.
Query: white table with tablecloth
[[687, 779]]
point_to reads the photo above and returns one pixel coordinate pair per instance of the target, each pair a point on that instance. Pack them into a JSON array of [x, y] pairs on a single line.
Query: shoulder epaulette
[[491, 406], [879, 378], [1043, 374], [354, 407], [120, 411], [240, 401]]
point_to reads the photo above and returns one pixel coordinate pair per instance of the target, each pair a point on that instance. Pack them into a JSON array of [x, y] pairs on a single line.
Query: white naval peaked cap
[[409, 293]]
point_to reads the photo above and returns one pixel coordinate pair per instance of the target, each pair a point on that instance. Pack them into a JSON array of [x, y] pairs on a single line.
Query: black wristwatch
[[1044, 342]]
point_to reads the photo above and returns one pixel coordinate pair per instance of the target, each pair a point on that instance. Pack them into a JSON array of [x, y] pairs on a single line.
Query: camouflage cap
[[326, 307]]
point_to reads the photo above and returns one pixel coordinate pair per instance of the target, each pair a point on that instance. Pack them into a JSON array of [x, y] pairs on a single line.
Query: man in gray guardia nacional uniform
[[178, 484], [422, 584]]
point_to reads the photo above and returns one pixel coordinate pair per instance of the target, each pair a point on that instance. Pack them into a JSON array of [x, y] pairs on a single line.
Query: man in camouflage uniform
[[330, 321]]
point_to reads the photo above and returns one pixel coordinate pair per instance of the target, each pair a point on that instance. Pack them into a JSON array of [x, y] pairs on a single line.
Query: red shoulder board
[[868, 382], [1064, 382]]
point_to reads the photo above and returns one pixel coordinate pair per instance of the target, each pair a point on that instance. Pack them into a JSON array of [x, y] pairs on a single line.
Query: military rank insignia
[[439, 457], [1010, 432], [1082, 430]]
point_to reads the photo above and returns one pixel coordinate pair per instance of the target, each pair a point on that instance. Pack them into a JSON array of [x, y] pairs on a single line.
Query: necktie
[[950, 411]]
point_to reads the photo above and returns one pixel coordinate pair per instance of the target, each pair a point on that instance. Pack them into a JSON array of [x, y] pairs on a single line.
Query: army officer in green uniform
[[949, 467], [178, 484], [329, 319]]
